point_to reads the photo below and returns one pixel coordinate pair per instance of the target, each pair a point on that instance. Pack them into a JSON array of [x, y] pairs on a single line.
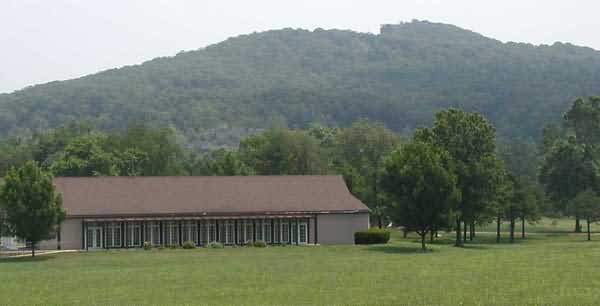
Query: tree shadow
[[39, 258], [397, 249]]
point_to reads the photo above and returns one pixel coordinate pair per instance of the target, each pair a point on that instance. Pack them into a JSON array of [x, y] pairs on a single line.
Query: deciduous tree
[[32, 207], [420, 179]]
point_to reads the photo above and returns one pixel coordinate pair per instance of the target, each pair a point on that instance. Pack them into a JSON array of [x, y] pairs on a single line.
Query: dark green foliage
[[358, 153], [280, 151], [219, 162], [372, 236], [189, 245], [423, 186], [32, 208], [470, 140], [215, 95]]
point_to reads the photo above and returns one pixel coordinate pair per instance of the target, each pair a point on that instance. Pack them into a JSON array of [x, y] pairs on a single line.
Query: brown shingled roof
[[205, 195]]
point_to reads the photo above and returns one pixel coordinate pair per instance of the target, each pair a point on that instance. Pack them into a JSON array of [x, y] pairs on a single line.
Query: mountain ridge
[[297, 77]]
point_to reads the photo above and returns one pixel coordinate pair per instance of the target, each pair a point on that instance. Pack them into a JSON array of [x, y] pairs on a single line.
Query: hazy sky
[[44, 40]]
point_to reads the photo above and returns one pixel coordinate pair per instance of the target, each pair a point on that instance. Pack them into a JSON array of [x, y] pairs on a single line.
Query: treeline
[[357, 152], [454, 175]]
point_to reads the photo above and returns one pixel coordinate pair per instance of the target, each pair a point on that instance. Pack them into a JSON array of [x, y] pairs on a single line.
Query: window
[[229, 232], [152, 232], [212, 231], [203, 233], [303, 232], [259, 230], [190, 231], [133, 234], [276, 231], [267, 230], [171, 233], [113, 235], [222, 234], [294, 231], [249, 230], [240, 234], [285, 234]]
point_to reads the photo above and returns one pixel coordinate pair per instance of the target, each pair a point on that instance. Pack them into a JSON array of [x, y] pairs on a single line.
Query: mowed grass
[[544, 269]]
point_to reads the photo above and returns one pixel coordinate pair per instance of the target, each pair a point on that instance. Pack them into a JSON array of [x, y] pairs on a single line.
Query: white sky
[[45, 40]]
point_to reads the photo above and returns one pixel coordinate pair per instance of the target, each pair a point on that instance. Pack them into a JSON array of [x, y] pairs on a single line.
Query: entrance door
[[94, 237]]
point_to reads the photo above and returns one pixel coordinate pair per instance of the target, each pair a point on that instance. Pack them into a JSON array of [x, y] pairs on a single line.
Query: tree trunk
[[512, 229], [589, 234], [498, 229], [32, 249], [458, 241], [522, 226], [471, 230], [380, 221], [464, 231], [473, 227], [577, 224], [404, 233], [431, 236], [423, 241]]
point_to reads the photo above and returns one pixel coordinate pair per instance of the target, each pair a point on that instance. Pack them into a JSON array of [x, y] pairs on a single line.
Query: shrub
[[372, 236], [147, 246], [215, 245], [259, 244], [189, 245], [172, 246]]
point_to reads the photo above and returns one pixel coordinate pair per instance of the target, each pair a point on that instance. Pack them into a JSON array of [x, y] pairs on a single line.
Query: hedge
[[372, 236]]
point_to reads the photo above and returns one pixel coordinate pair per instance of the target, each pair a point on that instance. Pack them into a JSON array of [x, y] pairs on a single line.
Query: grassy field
[[554, 268]]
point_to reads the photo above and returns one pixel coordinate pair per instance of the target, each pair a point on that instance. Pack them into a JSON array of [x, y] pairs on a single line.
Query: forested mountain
[[297, 77]]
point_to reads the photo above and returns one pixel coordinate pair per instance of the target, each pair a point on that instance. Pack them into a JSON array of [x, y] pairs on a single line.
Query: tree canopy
[[32, 207]]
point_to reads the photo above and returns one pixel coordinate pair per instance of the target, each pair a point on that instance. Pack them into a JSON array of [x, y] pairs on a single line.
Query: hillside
[[296, 77]]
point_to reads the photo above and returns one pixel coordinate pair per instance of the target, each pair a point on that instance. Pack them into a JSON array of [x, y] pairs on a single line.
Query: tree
[[583, 120], [87, 156], [588, 203], [420, 179], [33, 208], [471, 142], [221, 162], [360, 150], [566, 171], [280, 152]]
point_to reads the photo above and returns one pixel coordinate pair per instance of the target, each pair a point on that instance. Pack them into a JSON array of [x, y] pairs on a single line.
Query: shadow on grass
[[8, 260], [396, 249]]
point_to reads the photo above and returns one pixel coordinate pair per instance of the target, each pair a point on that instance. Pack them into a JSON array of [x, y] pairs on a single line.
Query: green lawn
[[557, 268]]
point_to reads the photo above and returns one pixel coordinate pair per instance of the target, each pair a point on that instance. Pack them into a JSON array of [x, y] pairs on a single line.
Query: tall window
[[241, 231], [285, 231], [203, 233], [113, 235], [133, 233], [171, 233], [294, 231], [302, 232], [190, 231], [249, 230], [259, 230], [267, 230], [276, 231], [229, 232], [212, 231], [152, 232]]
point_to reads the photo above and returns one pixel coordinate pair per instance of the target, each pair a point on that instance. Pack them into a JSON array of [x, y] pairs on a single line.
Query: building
[[125, 212]]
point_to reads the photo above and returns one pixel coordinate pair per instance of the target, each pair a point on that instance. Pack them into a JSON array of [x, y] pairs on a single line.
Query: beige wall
[[340, 228], [70, 238]]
